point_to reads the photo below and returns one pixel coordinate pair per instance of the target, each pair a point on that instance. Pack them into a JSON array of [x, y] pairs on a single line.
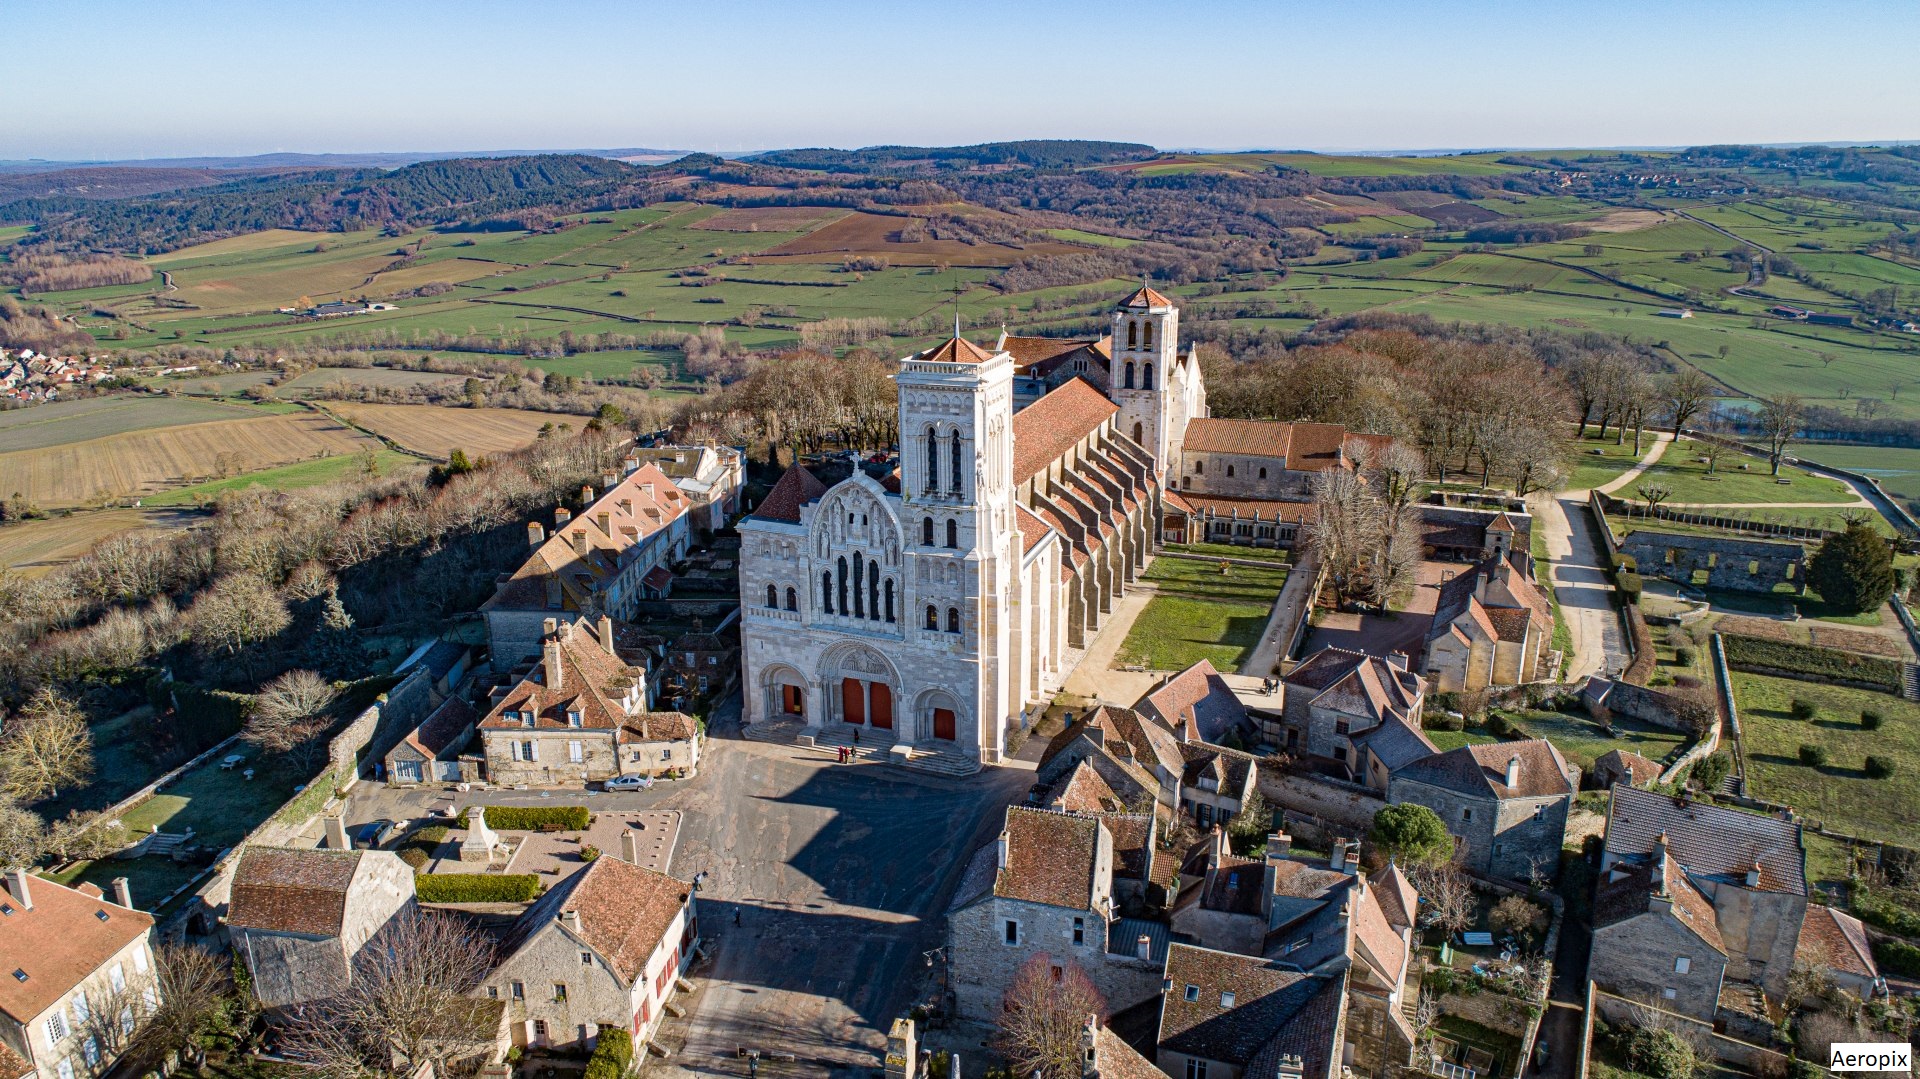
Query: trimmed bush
[[1810, 662], [1802, 709], [1874, 908], [1708, 771], [589, 853], [1880, 767], [1629, 585], [1626, 562], [476, 887], [612, 1054], [1870, 720], [1683, 655], [1812, 755], [539, 818]]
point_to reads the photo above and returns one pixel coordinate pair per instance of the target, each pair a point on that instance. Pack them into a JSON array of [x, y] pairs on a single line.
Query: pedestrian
[[856, 736], [736, 916]]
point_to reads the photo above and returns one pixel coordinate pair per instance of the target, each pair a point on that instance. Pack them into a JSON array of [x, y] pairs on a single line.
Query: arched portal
[[862, 685]]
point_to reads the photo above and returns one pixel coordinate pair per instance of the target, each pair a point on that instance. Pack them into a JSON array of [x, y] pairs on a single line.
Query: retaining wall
[[1755, 1058]]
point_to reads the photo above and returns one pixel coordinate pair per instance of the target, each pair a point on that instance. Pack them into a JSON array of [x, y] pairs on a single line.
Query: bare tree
[[1780, 420], [1044, 1016], [1654, 493], [46, 747], [1517, 916], [192, 986], [1685, 394], [1345, 529], [1447, 896], [240, 610], [405, 1003], [23, 835], [290, 714]]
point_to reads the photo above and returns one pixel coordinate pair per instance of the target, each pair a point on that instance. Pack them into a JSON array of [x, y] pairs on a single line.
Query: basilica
[[935, 607]]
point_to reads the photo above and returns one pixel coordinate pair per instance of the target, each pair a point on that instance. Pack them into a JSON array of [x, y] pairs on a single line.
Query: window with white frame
[[57, 1026], [576, 752], [1682, 964], [140, 959], [80, 1010], [1196, 1069], [118, 976], [1192, 993], [573, 717]]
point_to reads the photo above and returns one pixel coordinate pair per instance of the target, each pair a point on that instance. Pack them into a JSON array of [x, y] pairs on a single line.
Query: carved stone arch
[[776, 673], [853, 659], [923, 714]]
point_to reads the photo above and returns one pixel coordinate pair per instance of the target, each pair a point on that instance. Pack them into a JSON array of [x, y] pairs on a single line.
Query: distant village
[[28, 377]]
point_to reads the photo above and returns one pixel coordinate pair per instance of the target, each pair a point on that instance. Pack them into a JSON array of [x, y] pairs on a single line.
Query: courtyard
[[1201, 609]]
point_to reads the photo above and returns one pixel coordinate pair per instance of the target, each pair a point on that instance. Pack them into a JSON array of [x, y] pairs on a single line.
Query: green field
[[290, 477], [1738, 479], [1599, 461], [1838, 794], [1199, 613], [1897, 469]]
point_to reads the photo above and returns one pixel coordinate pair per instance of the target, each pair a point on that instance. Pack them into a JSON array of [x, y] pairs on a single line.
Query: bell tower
[[1146, 338]]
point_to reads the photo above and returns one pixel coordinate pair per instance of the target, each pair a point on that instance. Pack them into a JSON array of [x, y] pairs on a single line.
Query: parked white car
[[627, 783]]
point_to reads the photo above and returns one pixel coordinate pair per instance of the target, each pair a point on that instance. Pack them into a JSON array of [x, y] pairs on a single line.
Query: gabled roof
[[1632, 894], [1396, 742], [448, 725], [1399, 900], [953, 350], [1115, 1059], [1051, 858], [58, 942], [1708, 839], [1272, 1009], [1084, 790], [283, 890], [1051, 426], [1249, 438], [796, 488], [1125, 732], [1832, 938], [625, 910], [590, 683], [1636, 768], [1481, 770], [572, 563], [1147, 297], [1197, 701], [1357, 684], [662, 727], [1380, 942], [1027, 351]]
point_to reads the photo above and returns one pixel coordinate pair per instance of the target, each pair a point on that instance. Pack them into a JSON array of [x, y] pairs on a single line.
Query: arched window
[[826, 592], [1229, 470], [1128, 383], [933, 460], [889, 599], [1146, 335], [926, 531], [873, 593], [1133, 334], [1263, 473], [1199, 468], [933, 617], [859, 605], [840, 596], [953, 619], [793, 600], [1138, 432], [954, 486], [1186, 483], [953, 534], [773, 596], [1146, 379]]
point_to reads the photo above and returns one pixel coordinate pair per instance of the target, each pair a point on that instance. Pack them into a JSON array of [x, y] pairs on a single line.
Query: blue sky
[[117, 78]]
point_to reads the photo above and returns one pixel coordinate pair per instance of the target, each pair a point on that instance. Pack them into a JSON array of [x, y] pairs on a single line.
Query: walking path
[[1661, 440], [1095, 676]]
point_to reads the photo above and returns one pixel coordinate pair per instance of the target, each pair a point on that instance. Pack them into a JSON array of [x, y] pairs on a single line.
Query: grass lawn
[[122, 764], [1445, 740], [1583, 741], [1543, 576], [1201, 613], [1597, 461], [1837, 794], [1228, 550], [1738, 479]]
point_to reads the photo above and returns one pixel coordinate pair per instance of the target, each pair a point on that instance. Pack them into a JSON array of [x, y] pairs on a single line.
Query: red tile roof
[[640, 505], [954, 350], [1051, 858], [1052, 425], [1197, 701], [1250, 509], [1831, 938], [1481, 770], [1147, 297], [625, 911], [795, 489], [448, 724], [1032, 528], [1252, 438], [590, 683], [1032, 350], [59, 942]]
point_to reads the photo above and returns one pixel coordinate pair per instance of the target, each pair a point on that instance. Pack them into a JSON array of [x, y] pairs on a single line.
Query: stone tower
[[1146, 338], [957, 494]]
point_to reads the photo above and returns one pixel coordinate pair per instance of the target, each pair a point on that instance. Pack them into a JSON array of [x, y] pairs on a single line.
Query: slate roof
[[625, 910], [1197, 701], [796, 488], [1051, 858], [283, 890], [1273, 1010], [1051, 426], [1708, 839], [1481, 770], [59, 942], [1397, 743], [1832, 938], [1632, 894]]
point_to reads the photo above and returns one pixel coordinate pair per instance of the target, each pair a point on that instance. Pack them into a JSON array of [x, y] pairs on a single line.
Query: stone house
[[1137, 754], [595, 563], [1465, 534], [1835, 941], [1742, 565], [1491, 627], [603, 948], [1359, 711], [1144, 876], [430, 753], [297, 918], [1736, 881], [1505, 803], [1624, 766], [81, 976], [1197, 705], [1045, 886], [1215, 782], [581, 715], [694, 666], [1228, 1016], [710, 476]]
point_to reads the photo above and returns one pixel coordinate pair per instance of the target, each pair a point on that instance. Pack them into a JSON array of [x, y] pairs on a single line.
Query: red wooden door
[[882, 705], [792, 701], [943, 723], [853, 701]]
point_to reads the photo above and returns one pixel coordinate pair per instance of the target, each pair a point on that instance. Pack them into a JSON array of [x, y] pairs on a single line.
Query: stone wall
[[983, 964], [1739, 565], [1348, 806], [1754, 1058], [1505, 838], [1495, 1011], [1637, 957]]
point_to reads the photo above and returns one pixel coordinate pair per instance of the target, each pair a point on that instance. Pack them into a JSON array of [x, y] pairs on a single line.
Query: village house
[[1491, 627], [710, 476], [1229, 1016], [1836, 942], [614, 554], [1624, 766], [76, 976], [430, 753], [1045, 886], [581, 715], [694, 666], [1137, 755], [1505, 803], [1466, 534], [298, 918], [1696, 901], [1197, 705], [602, 948], [1359, 711]]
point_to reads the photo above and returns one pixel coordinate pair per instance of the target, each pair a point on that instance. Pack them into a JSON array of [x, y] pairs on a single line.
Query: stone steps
[[1910, 681]]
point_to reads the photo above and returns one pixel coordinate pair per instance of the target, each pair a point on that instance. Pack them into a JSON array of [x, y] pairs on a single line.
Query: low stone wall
[[1723, 694], [1754, 1058], [1495, 1011], [1341, 806]]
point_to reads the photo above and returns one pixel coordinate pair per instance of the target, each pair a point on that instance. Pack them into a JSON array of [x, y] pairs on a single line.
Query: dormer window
[[526, 719], [573, 717]]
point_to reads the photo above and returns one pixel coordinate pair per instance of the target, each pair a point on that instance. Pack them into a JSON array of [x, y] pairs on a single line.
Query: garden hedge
[[1897, 957], [539, 818], [1873, 909], [1644, 657], [612, 1054], [476, 887], [1809, 662]]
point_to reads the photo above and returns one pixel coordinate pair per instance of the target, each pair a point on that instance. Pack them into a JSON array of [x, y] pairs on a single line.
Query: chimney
[[1003, 850], [630, 465], [1279, 846], [570, 919], [550, 660], [1397, 660], [1753, 874], [337, 834], [580, 542], [536, 535], [607, 480], [1291, 1067], [586, 494], [122, 894], [629, 846], [1089, 1047], [1337, 861], [1660, 848], [1513, 771], [17, 884], [549, 627], [561, 515], [605, 626], [1353, 858], [1143, 948]]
